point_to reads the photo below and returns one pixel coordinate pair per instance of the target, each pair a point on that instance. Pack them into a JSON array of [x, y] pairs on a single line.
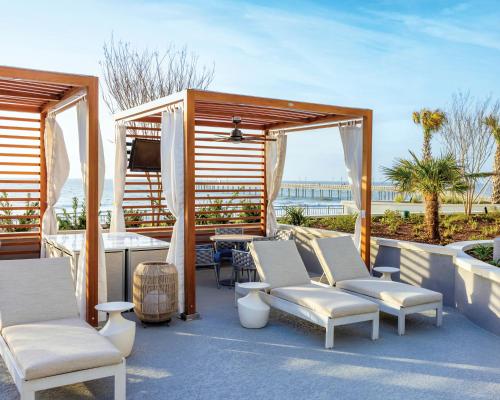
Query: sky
[[393, 57]]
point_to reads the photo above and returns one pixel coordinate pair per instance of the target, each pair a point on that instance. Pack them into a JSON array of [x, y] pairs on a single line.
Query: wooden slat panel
[[19, 137], [19, 128]]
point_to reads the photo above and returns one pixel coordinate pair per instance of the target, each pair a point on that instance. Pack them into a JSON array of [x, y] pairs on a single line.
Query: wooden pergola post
[[92, 232], [189, 209], [366, 189]]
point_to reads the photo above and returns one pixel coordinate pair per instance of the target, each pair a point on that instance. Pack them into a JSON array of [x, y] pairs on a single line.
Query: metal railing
[[313, 211]]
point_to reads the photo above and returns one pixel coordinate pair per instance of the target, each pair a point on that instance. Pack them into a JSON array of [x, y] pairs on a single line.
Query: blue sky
[[391, 56]]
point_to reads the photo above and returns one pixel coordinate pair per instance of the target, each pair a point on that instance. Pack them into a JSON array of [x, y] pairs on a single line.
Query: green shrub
[[295, 216], [483, 253], [340, 223], [392, 219]]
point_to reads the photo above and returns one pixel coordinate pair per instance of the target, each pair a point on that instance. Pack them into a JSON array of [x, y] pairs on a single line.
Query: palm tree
[[432, 178], [431, 121], [493, 123]]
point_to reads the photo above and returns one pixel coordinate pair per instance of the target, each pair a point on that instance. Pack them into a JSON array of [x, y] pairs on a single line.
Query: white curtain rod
[[69, 102], [312, 127]]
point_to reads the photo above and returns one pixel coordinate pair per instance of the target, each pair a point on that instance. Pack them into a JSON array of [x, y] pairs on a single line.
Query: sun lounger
[[279, 264], [344, 269], [43, 342]]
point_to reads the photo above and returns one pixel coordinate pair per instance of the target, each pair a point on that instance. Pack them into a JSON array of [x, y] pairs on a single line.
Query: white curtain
[[57, 173], [352, 142], [172, 177], [117, 217], [82, 116], [275, 164]]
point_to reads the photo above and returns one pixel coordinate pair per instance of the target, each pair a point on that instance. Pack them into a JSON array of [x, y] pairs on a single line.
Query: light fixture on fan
[[237, 135]]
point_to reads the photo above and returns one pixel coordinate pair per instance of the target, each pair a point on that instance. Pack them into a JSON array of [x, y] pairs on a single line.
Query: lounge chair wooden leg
[[375, 327], [121, 383], [401, 323], [27, 394], [439, 315], [329, 334]]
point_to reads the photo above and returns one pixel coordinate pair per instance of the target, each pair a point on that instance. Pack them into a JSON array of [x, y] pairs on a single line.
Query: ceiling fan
[[237, 136]]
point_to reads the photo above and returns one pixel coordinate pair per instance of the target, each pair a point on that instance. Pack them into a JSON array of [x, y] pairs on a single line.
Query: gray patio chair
[[223, 249], [243, 261], [205, 257]]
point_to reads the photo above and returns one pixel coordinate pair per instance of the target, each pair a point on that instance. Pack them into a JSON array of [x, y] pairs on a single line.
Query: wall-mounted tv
[[145, 156]]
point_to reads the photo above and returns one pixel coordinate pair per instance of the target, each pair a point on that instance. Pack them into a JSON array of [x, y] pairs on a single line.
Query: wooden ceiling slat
[[19, 108], [25, 89], [222, 124], [262, 110], [5, 118], [27, 94], [35, 84], [12, 100], [232, 148], [197, 161]]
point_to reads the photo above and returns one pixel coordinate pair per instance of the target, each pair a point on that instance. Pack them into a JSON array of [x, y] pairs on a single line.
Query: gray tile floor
[[215, 358]]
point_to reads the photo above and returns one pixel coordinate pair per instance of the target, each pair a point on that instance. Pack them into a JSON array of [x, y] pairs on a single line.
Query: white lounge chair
[[344, 268], [279, 264], [43, 342]]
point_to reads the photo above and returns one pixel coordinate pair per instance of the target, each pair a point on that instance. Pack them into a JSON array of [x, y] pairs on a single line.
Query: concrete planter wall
[[477, 287], [470, 285]]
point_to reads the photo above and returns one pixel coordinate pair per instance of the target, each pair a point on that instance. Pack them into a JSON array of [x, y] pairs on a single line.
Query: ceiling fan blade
[[264, 139]]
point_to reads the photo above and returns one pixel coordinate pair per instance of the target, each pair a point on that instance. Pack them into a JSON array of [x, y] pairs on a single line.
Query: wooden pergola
[[32, 94], [206, 116]]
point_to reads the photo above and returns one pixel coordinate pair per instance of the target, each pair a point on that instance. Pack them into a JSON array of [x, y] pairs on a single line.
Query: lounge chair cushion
[[50, 348], [279, 263], [397, 293], [36, 290], [325, 300], [339, 259]]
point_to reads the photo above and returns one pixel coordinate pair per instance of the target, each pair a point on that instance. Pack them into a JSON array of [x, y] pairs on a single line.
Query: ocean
[[74, 188]]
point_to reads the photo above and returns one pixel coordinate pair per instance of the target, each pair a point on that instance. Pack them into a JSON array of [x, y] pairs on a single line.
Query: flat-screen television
[[145, 156]]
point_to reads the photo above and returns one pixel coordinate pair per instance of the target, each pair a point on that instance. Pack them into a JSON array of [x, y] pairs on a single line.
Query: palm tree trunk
[[432, 216], [426, 146], [495, 196]]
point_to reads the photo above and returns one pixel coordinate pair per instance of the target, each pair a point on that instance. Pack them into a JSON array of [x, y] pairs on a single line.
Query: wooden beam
[[189, 209], [277, 103], [366, 190], [45, 76], [149, 109], [92, 232]]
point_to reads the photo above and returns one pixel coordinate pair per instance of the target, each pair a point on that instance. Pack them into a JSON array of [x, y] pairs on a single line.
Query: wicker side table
[[155, 292]]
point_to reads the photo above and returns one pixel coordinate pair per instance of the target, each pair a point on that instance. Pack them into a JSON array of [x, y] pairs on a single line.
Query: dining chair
[[205, 257]]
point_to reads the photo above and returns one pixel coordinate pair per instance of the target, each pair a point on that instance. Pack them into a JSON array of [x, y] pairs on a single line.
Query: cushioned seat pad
[[56, 347], [329, 301], [397, 293]]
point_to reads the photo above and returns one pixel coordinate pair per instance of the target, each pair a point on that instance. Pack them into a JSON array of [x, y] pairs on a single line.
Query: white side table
[[118, 330], [386, 272], [253, 312]]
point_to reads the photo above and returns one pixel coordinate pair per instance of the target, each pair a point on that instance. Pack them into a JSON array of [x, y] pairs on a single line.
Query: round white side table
[[386, 272], [253, 312], [118, 330]]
